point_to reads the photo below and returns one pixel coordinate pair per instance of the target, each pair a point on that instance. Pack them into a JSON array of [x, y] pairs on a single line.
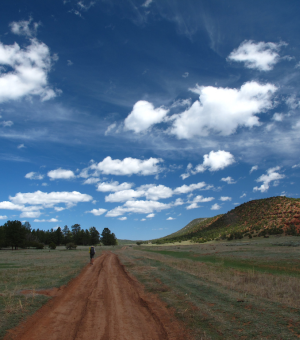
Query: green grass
[[34, 269], [276, 268]]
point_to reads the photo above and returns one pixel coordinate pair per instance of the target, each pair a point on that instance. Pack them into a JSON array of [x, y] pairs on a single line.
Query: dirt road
[[103, 303]]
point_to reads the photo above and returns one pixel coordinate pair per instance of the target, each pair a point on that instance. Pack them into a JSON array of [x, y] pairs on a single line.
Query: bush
[[39, 246], [52, 245], [71, 245], [139, 243]]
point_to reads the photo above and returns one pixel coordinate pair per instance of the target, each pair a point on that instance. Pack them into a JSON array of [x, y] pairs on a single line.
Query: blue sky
[[140, 116]]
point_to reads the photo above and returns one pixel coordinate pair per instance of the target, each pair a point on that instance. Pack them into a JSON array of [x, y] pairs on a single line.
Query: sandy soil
[[105, 303]]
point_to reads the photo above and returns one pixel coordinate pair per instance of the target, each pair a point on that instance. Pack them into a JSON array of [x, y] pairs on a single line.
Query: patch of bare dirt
[[105, 303]]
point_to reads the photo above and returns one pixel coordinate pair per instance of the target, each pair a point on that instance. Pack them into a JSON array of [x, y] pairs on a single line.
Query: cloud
[[143, 219], [271, 175], [215, 206], [223, 110], [156, 192], [24, 27], [69, 63], [143, 116], [178, 201], [34, 175], [3, 217], [139, 207], [124, 195], [228, 180], [128, 166], [278, 117], [225, 198], [215, 161], [51, 220], [184, 189], [113, 186], [170, 218], [97, 212], [124, 218], [201, 199], [91, 180], [61, 174], [185, 75], [59, 208], [147, 3], [110, 128], [244, 195], [193, 206], [262, 56], [150, 215], [6, 123], [10, 206], [21, 146], [30, 214], [254, 168], [50, 199], [296, 166], [27, 71]]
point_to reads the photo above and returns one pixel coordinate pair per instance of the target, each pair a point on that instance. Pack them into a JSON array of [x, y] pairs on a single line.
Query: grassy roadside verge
[[32, 269], [218, 303]]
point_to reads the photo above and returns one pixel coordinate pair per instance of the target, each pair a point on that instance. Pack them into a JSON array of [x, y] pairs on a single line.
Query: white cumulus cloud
[[215, 206], [3, 217], [270, 176], [215, 161], [113, 186], [61, 174], [225, 198], [43, 220], [25, 69], [170, 218], [139, 207], [50, 199], [228, 180], [262, 56], [124, 195], [128, 166], [34, 175], [184, 189], [97, 212], [223, 110], [143, 116]]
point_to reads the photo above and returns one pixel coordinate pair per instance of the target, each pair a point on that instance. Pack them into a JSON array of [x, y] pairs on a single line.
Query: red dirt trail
[[102, 303]]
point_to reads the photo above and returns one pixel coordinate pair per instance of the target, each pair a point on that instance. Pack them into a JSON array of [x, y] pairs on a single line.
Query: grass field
[[32, 269], [247, 289], [229, 290]]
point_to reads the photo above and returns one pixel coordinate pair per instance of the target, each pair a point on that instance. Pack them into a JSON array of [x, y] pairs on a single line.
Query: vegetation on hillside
[[263, 217]]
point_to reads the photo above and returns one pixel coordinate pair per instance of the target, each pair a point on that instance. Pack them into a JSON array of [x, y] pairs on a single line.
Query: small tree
[[52, 245], [108, 238]]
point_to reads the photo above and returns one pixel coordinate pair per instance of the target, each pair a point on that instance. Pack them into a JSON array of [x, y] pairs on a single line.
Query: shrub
[[52, 245], [39, 246], [139, 243], [71, 245]]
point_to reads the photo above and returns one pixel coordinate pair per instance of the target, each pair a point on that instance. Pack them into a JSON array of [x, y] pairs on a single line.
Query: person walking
[[92, 254]]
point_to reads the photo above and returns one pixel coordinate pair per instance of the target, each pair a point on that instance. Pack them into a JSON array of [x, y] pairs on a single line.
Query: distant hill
[[274, 215], [125, 242]]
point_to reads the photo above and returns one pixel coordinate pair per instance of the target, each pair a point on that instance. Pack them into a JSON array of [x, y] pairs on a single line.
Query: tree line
[[16, 235]]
